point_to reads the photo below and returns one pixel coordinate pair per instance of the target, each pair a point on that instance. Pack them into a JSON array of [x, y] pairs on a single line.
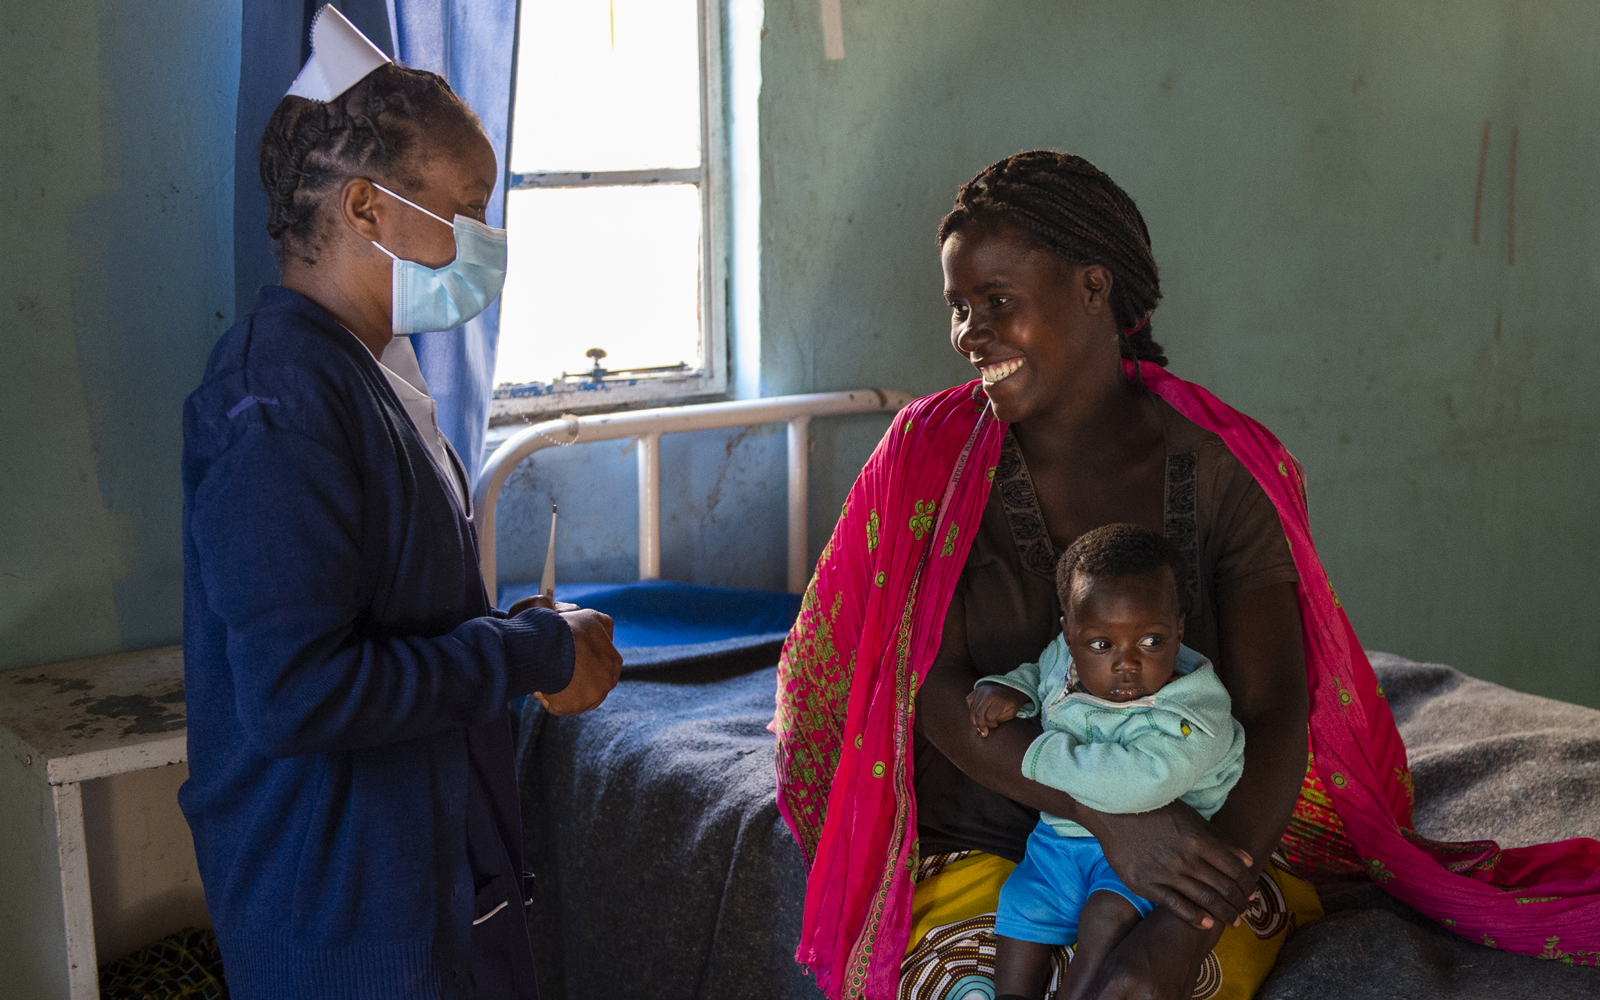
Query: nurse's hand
[[596, 665], [539, 601]]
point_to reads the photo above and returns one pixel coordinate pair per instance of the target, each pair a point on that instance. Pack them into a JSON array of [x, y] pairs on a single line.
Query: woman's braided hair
[[374, 129], [1067, 206]]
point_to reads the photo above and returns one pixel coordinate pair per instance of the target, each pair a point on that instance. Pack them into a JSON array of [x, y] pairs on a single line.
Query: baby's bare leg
[[1105, 920], [1021, 968]]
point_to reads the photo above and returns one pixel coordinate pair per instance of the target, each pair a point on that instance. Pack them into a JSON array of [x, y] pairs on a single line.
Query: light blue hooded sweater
[[1129, 756]]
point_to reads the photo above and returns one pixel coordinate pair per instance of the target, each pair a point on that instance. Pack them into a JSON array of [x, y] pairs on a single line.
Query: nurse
[[351, 790]]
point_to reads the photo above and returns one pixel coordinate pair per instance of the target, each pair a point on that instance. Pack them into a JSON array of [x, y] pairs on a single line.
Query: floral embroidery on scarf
[[949, 545], [812, 653]]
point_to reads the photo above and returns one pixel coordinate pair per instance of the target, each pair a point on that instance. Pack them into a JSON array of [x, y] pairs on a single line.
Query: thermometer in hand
[[547, 585]]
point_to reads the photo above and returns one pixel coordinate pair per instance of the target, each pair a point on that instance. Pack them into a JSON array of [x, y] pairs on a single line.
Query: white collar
[[404, 375], [400, 360]]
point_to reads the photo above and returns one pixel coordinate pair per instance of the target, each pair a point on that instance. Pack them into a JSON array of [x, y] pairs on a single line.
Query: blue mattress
[[659, 613]]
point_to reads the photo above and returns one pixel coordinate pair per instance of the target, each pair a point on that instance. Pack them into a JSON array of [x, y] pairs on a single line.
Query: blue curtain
[[468, 42]]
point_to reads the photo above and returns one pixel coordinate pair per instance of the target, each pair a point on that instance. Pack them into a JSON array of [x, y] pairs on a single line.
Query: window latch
[[600, 373]]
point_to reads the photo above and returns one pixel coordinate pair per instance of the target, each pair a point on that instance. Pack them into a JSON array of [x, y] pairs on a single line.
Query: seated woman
[[940, 571]]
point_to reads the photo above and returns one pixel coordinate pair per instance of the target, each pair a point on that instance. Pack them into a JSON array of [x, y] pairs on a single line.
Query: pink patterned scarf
[[869, 628]]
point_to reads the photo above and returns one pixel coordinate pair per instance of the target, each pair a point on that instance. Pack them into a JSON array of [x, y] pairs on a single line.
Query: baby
[[1132, 720]]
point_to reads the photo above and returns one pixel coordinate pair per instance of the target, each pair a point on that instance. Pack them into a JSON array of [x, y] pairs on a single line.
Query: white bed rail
[[646, 427]]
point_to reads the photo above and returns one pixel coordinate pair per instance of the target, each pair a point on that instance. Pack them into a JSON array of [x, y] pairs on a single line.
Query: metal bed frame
[[646, 427]]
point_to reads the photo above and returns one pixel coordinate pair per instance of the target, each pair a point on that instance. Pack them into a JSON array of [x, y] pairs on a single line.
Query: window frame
[[521, 402]]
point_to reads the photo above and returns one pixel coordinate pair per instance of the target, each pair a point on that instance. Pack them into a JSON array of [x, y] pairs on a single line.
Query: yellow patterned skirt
[[951, 954]]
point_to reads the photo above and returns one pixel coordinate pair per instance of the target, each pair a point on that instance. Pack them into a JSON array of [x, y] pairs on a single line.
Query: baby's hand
[[992, 704]]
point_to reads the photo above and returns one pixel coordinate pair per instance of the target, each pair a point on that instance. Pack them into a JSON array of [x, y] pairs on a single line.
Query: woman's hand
[[992, 704], [596, 665], [1172, 857]]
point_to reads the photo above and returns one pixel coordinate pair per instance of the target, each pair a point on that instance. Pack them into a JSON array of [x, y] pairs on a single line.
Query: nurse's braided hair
[[1067, 206], [310, 148]]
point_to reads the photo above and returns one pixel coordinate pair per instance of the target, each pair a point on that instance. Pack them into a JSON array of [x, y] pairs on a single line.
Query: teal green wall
[[1309, 178], [116, 277]]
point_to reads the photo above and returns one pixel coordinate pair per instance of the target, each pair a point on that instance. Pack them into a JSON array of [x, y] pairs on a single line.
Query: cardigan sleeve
[[1141, 774], [276, 527]]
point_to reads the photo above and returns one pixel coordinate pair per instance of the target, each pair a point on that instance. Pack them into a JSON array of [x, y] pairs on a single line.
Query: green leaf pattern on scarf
[[949, 546]]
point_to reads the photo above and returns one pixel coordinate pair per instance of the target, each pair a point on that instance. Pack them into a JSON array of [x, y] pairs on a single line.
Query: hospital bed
[[664, 870]]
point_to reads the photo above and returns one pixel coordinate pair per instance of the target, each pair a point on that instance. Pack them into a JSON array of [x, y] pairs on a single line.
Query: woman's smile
[[999, 371]]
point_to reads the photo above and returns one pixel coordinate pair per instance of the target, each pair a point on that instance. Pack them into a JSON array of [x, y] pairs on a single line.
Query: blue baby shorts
[[1043, 896]]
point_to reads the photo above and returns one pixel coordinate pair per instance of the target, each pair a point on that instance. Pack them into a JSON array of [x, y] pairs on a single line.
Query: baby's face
[[1124, 633]]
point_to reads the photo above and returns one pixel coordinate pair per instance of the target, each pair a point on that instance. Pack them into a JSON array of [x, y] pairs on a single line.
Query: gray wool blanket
[[664, 870]]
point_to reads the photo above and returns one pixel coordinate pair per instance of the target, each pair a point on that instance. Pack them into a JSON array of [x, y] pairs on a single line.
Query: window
[[615, 281]]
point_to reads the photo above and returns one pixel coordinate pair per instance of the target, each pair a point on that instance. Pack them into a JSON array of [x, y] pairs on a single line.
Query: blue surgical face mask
[[427, 299]]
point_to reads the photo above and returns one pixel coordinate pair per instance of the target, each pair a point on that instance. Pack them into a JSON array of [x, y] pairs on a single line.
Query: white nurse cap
[[341, 56]]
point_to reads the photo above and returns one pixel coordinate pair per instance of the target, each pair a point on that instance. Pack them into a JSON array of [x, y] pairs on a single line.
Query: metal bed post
[[799, 495], [649, 506]]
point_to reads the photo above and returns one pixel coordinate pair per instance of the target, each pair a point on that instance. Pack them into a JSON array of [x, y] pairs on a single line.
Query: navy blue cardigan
[[340, 655]]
